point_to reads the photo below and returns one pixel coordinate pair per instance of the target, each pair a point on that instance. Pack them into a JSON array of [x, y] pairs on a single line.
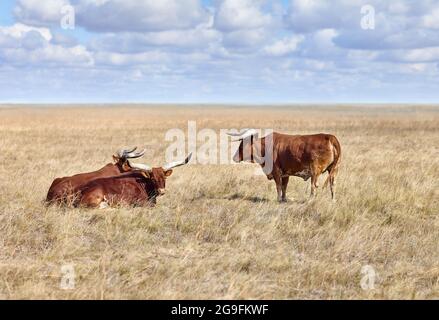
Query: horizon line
[[216, 103]]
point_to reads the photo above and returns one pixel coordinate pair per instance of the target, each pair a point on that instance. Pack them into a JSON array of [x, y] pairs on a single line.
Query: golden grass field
[[219, 232]]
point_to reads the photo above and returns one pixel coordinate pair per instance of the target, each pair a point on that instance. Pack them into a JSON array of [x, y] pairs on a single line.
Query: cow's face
[[245, 151], [158, 177]]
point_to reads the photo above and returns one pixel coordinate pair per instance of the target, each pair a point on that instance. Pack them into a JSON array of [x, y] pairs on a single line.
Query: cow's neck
[[111, 168]]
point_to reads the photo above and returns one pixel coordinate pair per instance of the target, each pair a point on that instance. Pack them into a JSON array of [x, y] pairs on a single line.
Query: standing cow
[[305, 156], [139, 187], [63, 190]]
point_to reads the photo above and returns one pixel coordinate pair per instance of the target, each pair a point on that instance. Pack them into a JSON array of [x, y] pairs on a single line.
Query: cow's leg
[[315, 174], [331, 181], [92, 200], [314, 184], [284, 188], [278, 180], [332, 187]]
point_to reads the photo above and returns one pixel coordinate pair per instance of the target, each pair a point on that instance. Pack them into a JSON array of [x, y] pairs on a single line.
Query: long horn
[[177, 163], [122, 153], [133, 155], [139, 166], [233, 134], [247, 133]]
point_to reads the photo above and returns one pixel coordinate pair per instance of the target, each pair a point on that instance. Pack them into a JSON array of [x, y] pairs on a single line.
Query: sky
[[219, 51]]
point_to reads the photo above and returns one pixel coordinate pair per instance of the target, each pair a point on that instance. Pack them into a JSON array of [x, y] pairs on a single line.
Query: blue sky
[[220, 51]]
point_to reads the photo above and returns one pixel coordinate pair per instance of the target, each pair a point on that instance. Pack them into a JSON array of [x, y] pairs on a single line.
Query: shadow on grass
[[253, 199]]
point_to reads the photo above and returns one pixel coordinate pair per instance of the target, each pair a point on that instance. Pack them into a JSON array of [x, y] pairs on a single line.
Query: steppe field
[[219, 232]]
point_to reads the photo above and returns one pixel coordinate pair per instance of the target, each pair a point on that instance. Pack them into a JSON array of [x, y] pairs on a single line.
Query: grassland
[[219, 232]]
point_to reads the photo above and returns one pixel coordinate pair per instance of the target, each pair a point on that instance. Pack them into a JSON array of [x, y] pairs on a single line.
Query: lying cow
[[63, 190], [137, 188], [305, 156]]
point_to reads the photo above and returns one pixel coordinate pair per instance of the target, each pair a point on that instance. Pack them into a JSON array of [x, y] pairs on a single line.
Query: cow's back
[[297, 153], [62, 188]]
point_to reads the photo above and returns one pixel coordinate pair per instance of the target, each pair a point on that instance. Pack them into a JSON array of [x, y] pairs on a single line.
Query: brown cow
[[305, 156], [137, 188], [63, 190]]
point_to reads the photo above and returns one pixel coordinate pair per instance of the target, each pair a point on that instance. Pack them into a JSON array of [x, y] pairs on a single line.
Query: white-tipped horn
[[122, 153], [133, 155], [245, 134], [249, 133], [139, 166], [177, 163], [235, 134]]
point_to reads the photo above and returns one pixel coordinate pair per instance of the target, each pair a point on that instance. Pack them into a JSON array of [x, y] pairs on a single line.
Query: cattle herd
[[127, 183]]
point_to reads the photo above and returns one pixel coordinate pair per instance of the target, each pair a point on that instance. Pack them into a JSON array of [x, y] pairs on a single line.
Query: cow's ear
[[168, 172], [146, 174], [115, 159]]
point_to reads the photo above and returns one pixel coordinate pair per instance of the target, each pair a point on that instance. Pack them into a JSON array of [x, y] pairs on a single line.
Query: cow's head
[[121, 157], [159, 175], [246, 150], [158, 178]]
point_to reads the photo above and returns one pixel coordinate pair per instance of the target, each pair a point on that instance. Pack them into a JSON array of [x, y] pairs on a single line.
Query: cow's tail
[[336, 149]]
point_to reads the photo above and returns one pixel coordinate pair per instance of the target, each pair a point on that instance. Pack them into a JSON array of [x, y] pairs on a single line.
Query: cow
[[304, 156], [63, 190], [136, 188]]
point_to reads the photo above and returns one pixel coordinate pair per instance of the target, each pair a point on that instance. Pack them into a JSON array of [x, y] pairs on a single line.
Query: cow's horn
[[177, 163], [247, 133], [121, 153], [133, 155], [140, 166], [233, 134]]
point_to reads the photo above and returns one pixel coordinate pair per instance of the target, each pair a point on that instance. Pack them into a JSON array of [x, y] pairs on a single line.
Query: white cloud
[[398, 7], [50, 55], [39, 13], [115, 15], [312, 15], [199, 37], [241, 14], [172, 47], [118, 59], [18, 31], [145, 15], [431, 20], [24, 45], [245, 39], [245, 24], [417, 55], [283, 46]]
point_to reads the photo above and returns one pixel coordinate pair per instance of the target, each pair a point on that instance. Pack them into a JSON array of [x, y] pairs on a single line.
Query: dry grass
[[219, 233]]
